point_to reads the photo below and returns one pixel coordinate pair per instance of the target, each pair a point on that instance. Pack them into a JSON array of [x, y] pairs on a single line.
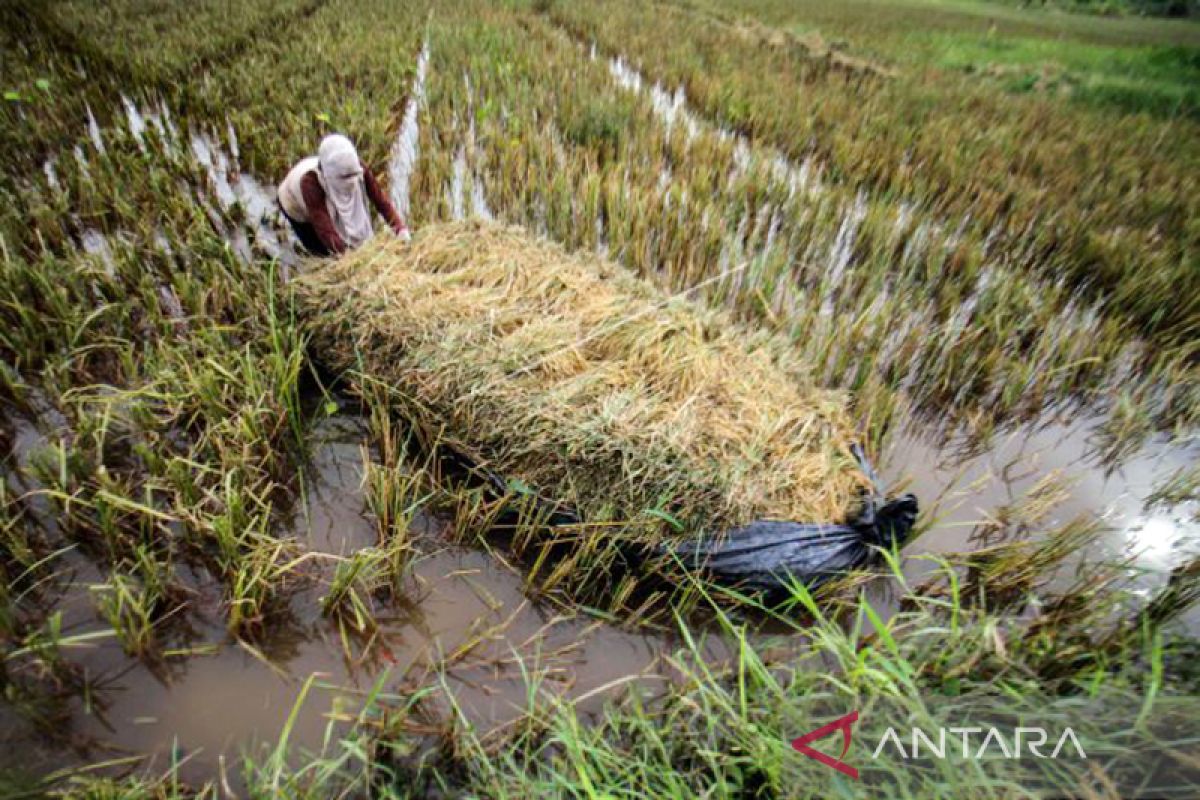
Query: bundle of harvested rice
[[591, 386]]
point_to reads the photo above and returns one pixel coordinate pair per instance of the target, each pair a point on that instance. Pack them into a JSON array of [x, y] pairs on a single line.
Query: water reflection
[[960, 493], [463, 622]]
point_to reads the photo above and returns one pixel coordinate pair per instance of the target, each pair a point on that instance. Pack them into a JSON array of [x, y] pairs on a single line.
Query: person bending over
[[324, 197]]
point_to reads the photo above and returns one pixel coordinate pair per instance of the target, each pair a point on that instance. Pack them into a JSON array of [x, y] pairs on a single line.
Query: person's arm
[[382, 204], [318, 213]]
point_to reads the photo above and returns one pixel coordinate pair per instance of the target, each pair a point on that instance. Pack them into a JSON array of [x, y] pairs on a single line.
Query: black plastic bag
[[767, 555]]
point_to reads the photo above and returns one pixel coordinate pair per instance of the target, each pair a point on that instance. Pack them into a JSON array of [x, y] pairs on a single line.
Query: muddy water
[[405, 150], [216, 698], [958, 493]]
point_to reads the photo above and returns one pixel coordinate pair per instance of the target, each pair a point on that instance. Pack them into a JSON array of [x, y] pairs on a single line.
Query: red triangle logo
[[843, 724]]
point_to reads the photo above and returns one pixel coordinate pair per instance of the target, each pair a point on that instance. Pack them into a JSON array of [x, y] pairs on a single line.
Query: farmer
[[324, 197]]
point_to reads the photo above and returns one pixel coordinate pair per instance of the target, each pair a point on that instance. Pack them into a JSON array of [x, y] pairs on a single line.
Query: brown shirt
[[318, 213]]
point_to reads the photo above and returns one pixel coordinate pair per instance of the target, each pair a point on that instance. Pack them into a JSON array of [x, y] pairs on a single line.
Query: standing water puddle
[[405, 149], [464, 625], [961, 493], [465, 609], [234, 187], [460, 174]]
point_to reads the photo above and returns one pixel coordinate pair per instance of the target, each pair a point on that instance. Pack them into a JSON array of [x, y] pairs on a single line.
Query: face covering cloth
[[341, 175]]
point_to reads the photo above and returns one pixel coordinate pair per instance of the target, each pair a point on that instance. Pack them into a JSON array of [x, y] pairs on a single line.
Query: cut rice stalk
[[577, 381]]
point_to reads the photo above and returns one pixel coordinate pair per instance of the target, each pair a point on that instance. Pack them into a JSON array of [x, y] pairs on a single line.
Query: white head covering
[[341, 175]]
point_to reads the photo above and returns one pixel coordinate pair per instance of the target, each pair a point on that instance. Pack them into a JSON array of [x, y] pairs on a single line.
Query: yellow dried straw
[[593, 386]]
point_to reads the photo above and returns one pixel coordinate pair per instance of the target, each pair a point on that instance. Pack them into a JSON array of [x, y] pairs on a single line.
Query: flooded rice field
[[465, 623], [181, 508], [965, 494]]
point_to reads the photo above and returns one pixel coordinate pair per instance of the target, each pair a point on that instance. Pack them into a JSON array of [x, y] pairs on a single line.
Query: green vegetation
[[1110, 184], [1164, 8], [961, 216]]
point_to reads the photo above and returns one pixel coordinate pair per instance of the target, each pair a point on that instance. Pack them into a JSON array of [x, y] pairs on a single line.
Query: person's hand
[[403, 233]]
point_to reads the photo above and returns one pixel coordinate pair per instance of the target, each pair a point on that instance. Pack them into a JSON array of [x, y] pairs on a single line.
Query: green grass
[[1159, 80], [885, 20], [1127, 66]]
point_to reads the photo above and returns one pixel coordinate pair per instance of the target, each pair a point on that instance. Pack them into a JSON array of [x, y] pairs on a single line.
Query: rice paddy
[[236, 559]]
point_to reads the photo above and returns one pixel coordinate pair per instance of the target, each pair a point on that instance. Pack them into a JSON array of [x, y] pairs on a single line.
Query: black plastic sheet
[[768, 555]]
